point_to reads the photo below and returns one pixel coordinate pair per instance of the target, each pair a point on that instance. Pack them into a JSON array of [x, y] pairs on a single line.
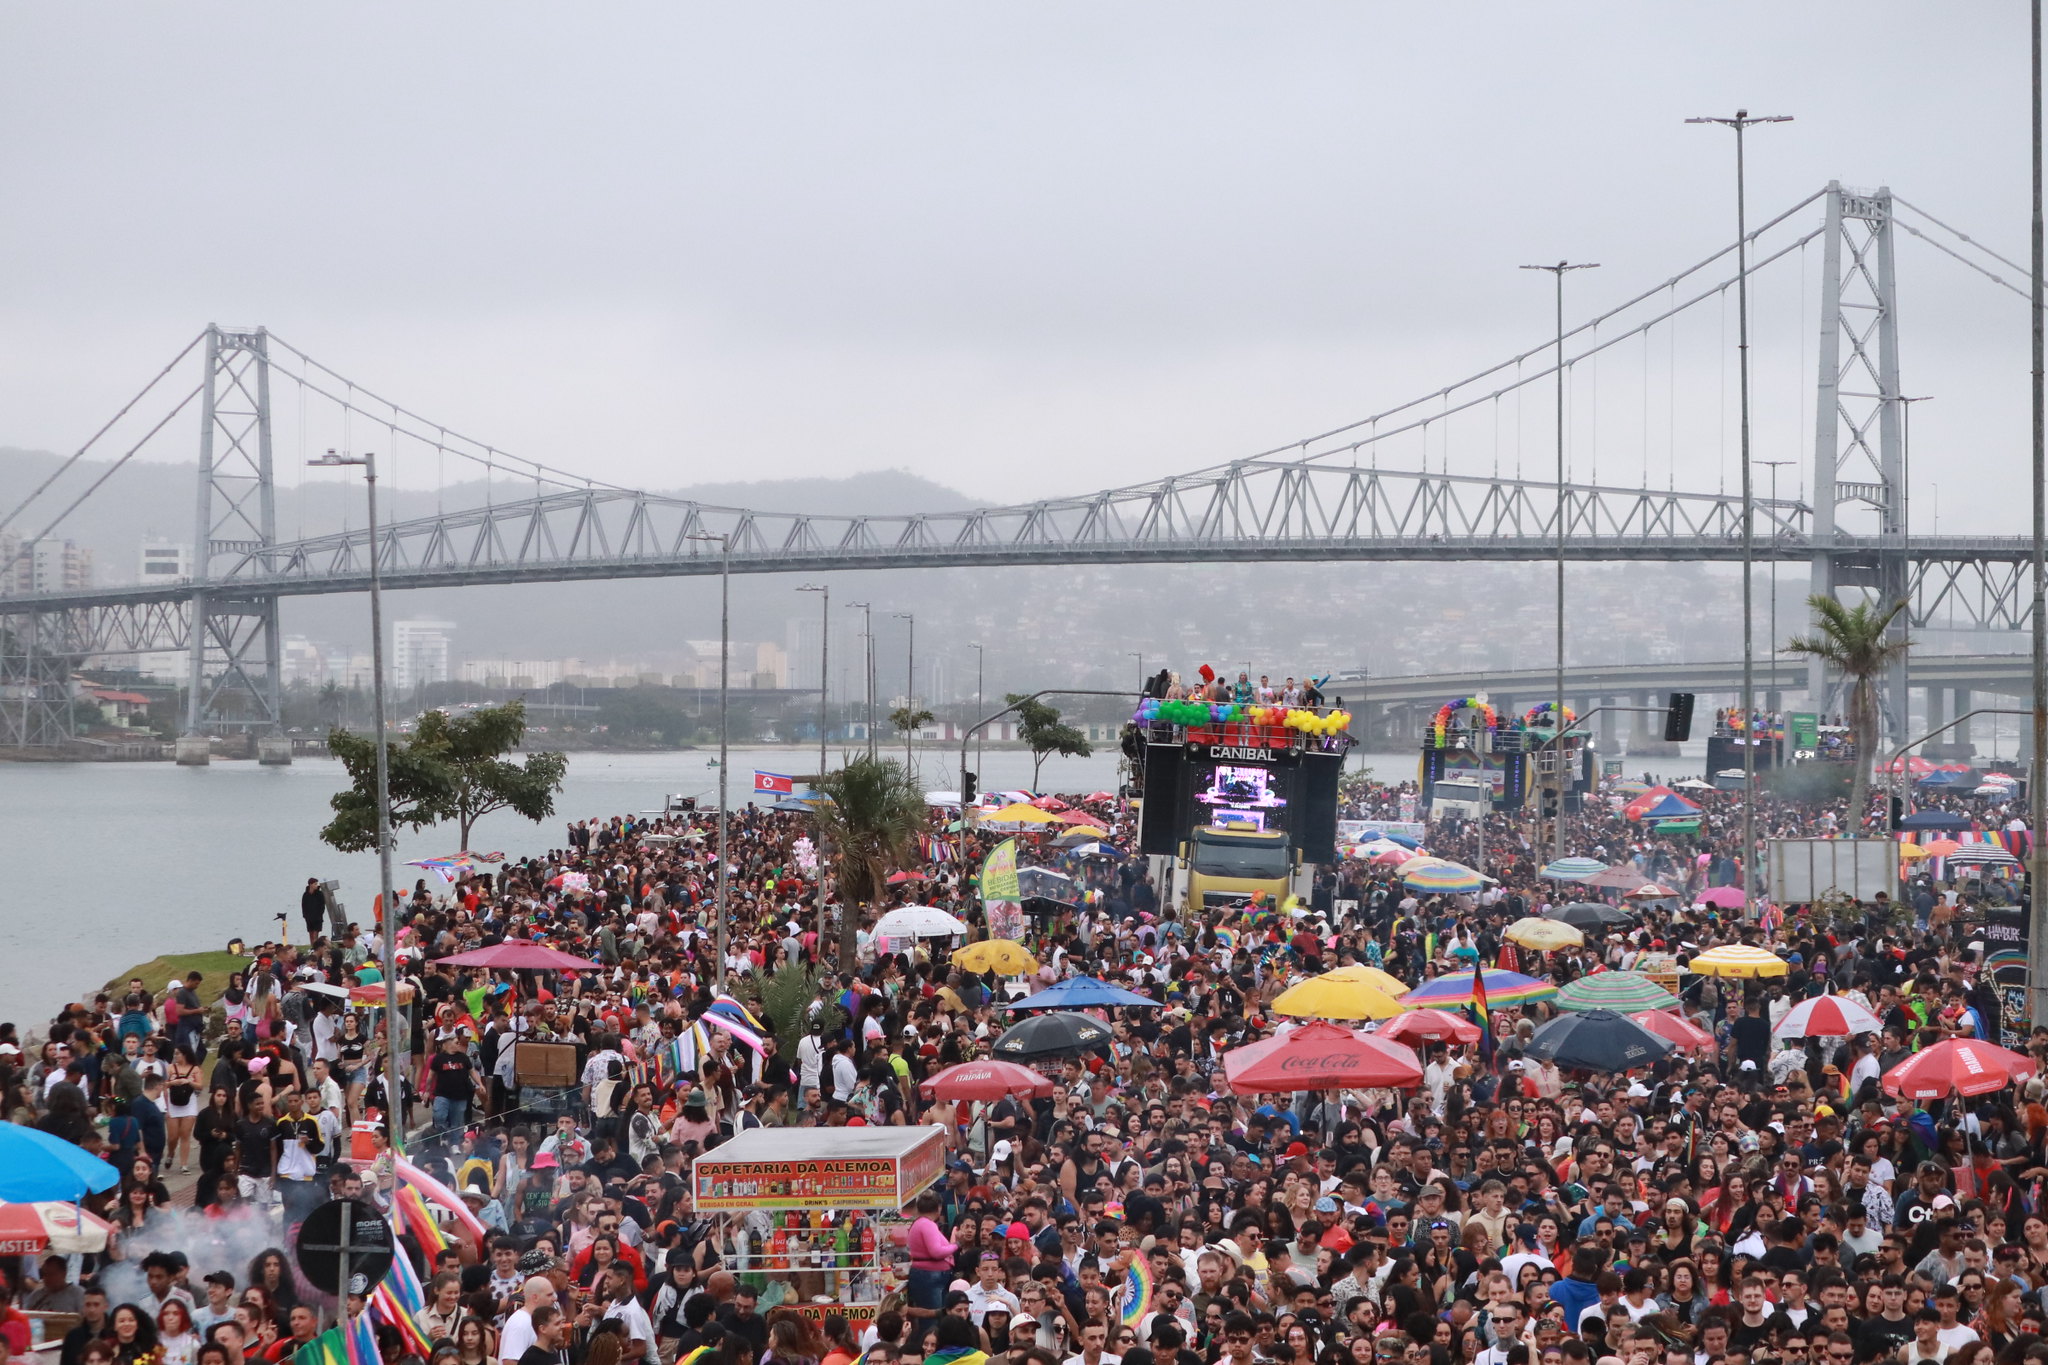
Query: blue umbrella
[[1085, 993], [1404, 840], [35, 1166]]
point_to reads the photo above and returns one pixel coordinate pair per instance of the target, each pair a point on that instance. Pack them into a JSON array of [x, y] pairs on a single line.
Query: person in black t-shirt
[[453, 1078]]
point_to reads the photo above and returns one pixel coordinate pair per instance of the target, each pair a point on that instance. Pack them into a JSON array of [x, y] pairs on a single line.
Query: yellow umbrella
[[1345, 993], [1544, 935], [1017, 813], [1912, 852], [1738, 959], [996, 955], [1386, 981]]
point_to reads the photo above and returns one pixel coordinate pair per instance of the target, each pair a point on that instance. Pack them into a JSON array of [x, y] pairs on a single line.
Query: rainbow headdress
[[1137, 1290], [1440, 726]]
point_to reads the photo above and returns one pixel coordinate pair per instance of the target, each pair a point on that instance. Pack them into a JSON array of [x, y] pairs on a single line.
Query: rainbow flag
[[953, 1355], [1481, 1016], [1137, 1291], [399, 1300], [360, 1338], [413, 1209]]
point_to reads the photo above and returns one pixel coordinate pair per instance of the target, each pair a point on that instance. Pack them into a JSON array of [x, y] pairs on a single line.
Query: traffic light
[[970, 784], [1678, 718], [1549, 805]]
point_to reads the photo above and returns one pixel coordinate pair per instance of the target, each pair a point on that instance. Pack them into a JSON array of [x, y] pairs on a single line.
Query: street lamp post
[[1558, 273], [978, 660], [724, 723], [2037, 766], [1750, 891], [1141, 669], [394, 1089], [824, 667], [909, 685], [867, 616]]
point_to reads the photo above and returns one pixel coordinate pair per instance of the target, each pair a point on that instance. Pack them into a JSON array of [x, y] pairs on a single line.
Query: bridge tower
[[1859, 486], [234, 671]]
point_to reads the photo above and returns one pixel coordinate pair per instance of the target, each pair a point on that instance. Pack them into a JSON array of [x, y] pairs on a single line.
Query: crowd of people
[[1757, 1203]]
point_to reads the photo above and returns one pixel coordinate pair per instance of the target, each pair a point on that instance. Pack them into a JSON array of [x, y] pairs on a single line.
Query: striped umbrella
[[1502, 988], [1738, 959], [1622, 992], [1444, 877], [1982, 855], [1573, 869], [1827, 1016]]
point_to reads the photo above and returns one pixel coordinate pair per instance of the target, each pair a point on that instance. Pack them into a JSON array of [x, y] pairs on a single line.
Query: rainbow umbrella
[[1502, 988], [1444, 877]]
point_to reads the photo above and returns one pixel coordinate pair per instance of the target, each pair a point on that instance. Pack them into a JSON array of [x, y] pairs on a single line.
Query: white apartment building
[[420, 653]]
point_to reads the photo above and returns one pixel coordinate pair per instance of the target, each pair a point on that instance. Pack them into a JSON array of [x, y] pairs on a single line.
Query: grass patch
[[214, 967]]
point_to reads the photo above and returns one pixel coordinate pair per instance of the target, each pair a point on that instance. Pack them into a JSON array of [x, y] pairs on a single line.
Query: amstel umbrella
[[996, 955], [1085, 993], [1573, 869], [1623, 992], [1053, 1034], [987, 1081], [1597, 1040], [1321, 1056], [1502, 988], [1343, 993], [1428, 1026], [1592, 915], [1827, 1016], [1738, 959], [1960, 1066], [51, 1226], [1544, 935], [1447, 878], [1685, 1035]]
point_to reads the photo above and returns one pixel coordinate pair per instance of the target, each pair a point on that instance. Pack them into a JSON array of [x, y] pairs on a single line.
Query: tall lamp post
[[1558, 272], [1141, 669], [724, 721], [394, 1089], [909, 684], [2037, 767], [867, 635], [978, 660], [824, 667], [1750, 891]]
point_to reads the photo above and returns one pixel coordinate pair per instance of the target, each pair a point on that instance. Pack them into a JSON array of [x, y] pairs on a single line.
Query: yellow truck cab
[[1229, 864]]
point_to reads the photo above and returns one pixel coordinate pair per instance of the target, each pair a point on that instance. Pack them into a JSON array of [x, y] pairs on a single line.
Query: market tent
[[1935, 819], [1642, 803], [1669, 806]]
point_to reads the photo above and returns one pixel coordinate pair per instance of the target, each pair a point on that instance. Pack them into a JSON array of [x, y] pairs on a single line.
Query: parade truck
[[1236, 801]]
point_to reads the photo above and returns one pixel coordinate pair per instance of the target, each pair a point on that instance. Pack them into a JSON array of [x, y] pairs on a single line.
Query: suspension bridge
[[1324, 497]]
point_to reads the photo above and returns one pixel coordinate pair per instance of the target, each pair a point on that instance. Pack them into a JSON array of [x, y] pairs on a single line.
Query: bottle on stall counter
[[778, 1252]]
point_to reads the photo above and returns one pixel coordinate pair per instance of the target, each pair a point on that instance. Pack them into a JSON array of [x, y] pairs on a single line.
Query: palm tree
[[874, 811], [1854, 641]]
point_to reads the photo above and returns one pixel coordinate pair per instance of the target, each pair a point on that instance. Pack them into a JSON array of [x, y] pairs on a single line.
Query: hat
[[695, 1099], [545, 1161], [1748, 1064], [1001, 1151], [1941, 1201], [1018, 1230], [535, 1263], [1326, 1205], [221, 1278], [481, 1195], [1515, 1065], [1822, 1111], [1295, 1149]]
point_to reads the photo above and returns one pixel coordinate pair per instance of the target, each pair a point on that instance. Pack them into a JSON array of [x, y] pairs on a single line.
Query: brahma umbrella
[[1321, 1056], [1056, 1033], [1597, 1040], [1959, 1066]]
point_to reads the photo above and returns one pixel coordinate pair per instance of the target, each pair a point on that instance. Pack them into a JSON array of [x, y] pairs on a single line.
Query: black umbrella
[[1592, 915], [1597, 1040], [1057, 1033]]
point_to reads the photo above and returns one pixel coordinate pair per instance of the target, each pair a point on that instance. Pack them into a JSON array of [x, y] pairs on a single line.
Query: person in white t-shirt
[[538, 1292]]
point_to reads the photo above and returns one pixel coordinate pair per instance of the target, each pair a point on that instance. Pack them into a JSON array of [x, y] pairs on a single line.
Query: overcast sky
[[1017, 248]]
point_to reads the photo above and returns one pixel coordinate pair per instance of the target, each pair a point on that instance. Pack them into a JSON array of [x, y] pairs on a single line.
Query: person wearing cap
[[1915, 1204]]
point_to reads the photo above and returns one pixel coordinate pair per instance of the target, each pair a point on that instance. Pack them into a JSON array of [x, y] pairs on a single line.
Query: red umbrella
[[1099, 796], [898, 878], [1688, 1036], [1321, 1056], [1433, 1026], [520, 955], [987, 1081], [1960, 1066], [56, 1226]]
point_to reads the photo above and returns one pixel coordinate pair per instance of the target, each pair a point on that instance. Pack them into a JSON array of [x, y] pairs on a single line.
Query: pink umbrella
[[987, 1081], [1436, 1026], [1724, 897], [520, 955], [1689, 1036]]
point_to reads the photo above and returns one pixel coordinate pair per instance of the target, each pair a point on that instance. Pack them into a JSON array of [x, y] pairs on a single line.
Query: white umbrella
[[919, 921], [1827, 1016]]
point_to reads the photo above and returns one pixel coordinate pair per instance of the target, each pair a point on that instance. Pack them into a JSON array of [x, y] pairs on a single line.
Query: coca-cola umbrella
[[1321, 1056], [1056, 1033], [987, 1080], [1960, 1066]]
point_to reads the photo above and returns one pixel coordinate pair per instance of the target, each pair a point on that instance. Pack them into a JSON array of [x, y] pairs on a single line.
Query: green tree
[[870, 821], [1855, 641], [451, 768], [908, 720], [785, 1000], [1040, 727]]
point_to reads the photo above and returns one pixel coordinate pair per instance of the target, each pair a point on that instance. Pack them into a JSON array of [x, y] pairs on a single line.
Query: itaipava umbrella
[[1591, 915], [1622, 992], [1502, 988], [1572, 869], [919, 921], [999, 955], [988, 1080], [1959, 1066], [1597, 1040], [520, 956], [1056, 1033], [1429, 1026], [1085, 993], [1321, 1056], [1827, 1016], [1343, 993], [1685, 1035], [1738, 959], [1444, 878], [52, 1227], [1544, 935], [35, 1166]]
